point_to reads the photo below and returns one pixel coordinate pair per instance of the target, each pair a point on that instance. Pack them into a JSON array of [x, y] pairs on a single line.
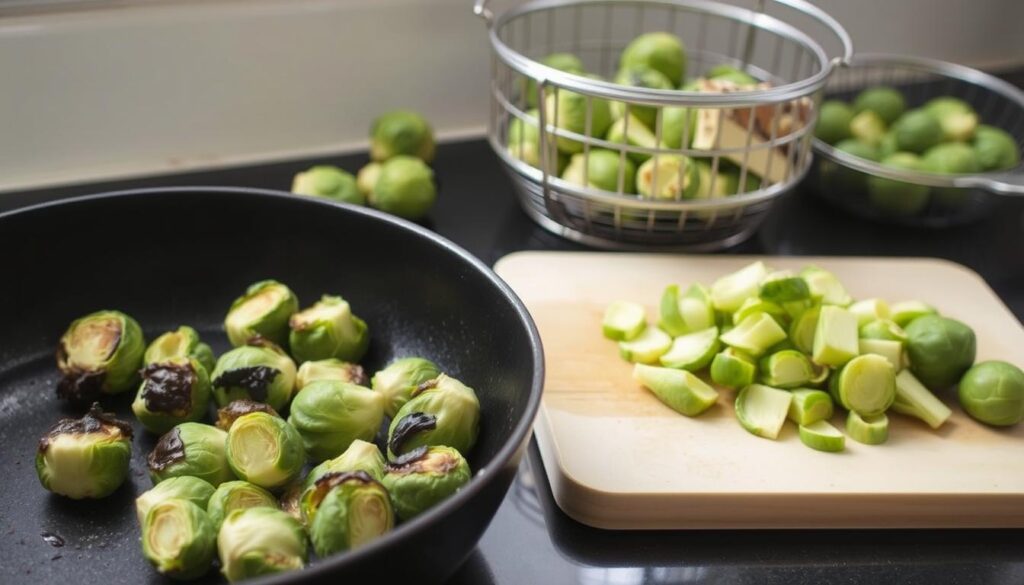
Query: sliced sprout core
[[786, 369], [867, 384], [870, 430], [809, 406], [913, 399]]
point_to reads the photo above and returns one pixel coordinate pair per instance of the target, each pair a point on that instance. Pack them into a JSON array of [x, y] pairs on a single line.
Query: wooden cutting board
[[618, 458]]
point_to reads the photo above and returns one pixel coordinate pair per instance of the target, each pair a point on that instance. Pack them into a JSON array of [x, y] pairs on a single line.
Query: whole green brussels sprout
[[404, 188], [191, 449], [263, 311], [367, 177], [898, 197], [917, 131], [940, 350], [887, 146], [858, 148], [327, 330], [401, 132], [328, 181], [178, 539], [264, 374], [568, 111], [993, 393], [345, 510], [100, 353], [400, 379], [182, 342], [423, 477], [677, 123], [443, 411], [523, 143], [563, 62], [174, 391], [834, 119], [887, 102], [601, 169], [730, 73], [260, 541], [951, 158], [868, 127], [236, 495], [661, 51], [86, 457], [956, 117], [265, 450], [640, 76], [996, 150], [329, 415], [198, 491]]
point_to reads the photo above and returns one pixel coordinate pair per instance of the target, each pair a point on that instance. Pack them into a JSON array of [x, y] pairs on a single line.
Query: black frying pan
[[180, 256]]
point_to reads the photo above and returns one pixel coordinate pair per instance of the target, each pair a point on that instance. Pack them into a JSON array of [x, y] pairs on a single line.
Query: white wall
[[124, 91]]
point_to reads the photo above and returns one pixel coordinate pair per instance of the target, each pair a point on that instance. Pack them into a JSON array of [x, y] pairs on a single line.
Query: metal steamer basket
[[924, 199], [764, 134]]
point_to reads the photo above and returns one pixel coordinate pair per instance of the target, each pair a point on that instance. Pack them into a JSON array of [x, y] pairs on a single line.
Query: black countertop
[[532, 542]]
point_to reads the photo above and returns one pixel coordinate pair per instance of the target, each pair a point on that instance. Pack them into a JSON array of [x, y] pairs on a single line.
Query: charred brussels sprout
[[401, 132], [330, 369], [264, 374], [263, 311], [329, 415], [191, 449], [405, 187], [661, 51], [186, 487], [328, 329], [237, 495], [328, 181], [265, 450], [227, 415], [443, 411], [260, 541], [423, 477], [360, 456], [86, 457], [99, 354], [399, 380], [178, 539], [183, 342], [172, 392], [345, 510]]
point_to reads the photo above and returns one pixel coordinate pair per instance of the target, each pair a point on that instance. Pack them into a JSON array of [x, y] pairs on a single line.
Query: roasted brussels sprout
[[265, 450], [328, 329], [186, 487], [399, 381], [956, 117], [263, 311], [264, 374], [661, 51], [345, 510], [236, 495], [601, 169], [563, 62], [917, 131], [86, 457], [404, 188], [833, 121], [182, 342], [887, 102], [443, 411], [568, 110], [360, 456], [99, 354], [996, 150], [172, 392], [668, 177], [178, 539], [640, 76], [423, 477], [226, 416], [401, 133], [260, 541], [191, 449], [367, 177], [330, 369], [329, 415], [940, 350], [328, 181], [993, 393]]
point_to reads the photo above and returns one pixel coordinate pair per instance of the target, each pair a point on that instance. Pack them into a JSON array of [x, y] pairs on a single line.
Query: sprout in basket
[[237, 495], [360, 456], [993, 393], [264, 374], [326, 330], [730, 73], [329, 415], [227, 415], [887, 102], [423, 477], [100, 353], [569, 111], [940, 350], [263, 311], [186, 487], [345, 510], [898, 198], [86, 457], [260, 541], [678, 123], [182, 342], [888, 146], [601, 169], [265, 450], [629, 130], [328, 181], [563, 62], [668, 177], [178, 539], [833, 121], [191, 449], [951, 158], [367, 177], [995, 148], [858, 148], [868, 127], [917, 131], [401, 133], [173, 391], [405, 187], [956, 117], [443, 411], [330, 369], [640, 76], [661, 51], [400, 379]]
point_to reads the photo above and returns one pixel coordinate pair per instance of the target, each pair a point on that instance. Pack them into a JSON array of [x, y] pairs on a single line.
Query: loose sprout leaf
[[624, 320], [647, 347], [822, 436], [692, 351], [762, 410]]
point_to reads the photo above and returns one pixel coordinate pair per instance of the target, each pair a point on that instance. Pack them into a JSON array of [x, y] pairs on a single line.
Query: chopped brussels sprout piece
[[328, 181], [913, 399], [260, 541], [692, 351], [640, 75], [399, 380], [993, 393], [835, 337], [870, 430], [733, 369], [86, 457], [263, 311], [822, 436], [265, 450], [178, 539], [443, 411], [755, 334], [661, 51], [787, 368], [825, 287], [329, 415], [887, 348], [809, 406], [834, 118], [172, 392], [782, 287], [869, 310], [190, 449], [883, 329], [263, 374], [360, 456], [803, 328], [680, 390], [729, 292], [405, 187], [330, 369], [647, 347], [668, 177], [762, 410], [401, 132], [237, 495], [624, 320], [424, 477], [629, 130], [183, 342], [867, 384], [227, 415], [346, 510], [995, 148], [755, 305], [885, 101], [688, 313], [186, 487], [100, 353], [940, 350], [600, 169], [366, 178], [904, 312], [327, 330]]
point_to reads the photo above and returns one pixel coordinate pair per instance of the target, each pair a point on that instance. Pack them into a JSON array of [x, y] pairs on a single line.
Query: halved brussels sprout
[[563, 62], [367, 177], [668, 177], [326, 330], [182, 342], [172, 392], [100, 353], [424, 477], [263, 311], [640, 76], [237, 495], [178, 539], [401, 132], [260, 541], [399, 380], [86, 457], [443, 411], [328, 181], [568, 110], [346, 510], [186, 487], [226, 416], [600, 169], [330, 369], [265, 374], [405, 187], [661, 51], [191, 449], [329, 415], [360, 456], [630, 130], [265, 450]]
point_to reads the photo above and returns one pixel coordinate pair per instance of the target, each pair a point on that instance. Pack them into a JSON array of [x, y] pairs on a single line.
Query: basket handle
[[480, 9], [1002, 183], [818, 14]]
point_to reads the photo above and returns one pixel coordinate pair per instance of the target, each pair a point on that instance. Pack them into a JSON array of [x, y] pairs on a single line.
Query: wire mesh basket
[[866, 188], [759, 135]]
